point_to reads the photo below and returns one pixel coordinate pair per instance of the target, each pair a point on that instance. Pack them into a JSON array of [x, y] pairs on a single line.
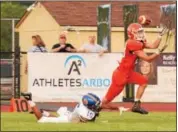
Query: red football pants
[[120, 79]]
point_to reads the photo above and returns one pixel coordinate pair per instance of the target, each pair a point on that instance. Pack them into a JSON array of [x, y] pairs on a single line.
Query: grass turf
[[107, 121]]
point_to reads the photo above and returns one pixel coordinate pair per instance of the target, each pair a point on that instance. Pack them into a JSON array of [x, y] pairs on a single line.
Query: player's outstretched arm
[[156, 43], [141, 54], [34, 108]]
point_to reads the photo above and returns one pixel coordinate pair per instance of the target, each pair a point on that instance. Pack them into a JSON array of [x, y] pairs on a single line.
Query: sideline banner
[[66, 77], [161, 75], [56, 77]]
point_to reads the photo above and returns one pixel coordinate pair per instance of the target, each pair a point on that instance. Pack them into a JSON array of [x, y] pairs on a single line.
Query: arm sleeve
[[134, 45], [55, 46], [71, 46]]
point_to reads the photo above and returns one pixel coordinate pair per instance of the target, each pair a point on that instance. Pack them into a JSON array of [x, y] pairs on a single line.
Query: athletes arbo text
[[71, 82]]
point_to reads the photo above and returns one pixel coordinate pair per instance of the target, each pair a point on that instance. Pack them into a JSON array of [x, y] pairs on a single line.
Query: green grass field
[[107, 121]]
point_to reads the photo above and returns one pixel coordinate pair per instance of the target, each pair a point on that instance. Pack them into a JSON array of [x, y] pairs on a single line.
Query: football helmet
[[135, 31], [91, 101]]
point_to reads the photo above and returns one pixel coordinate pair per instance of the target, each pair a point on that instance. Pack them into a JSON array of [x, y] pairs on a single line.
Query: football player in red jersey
[[125, 71]]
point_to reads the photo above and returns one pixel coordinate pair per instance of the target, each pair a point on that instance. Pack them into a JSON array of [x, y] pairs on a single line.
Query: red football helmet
[[135, 31]]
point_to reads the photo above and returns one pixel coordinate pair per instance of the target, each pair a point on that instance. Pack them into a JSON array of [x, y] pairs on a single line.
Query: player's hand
[[158, 51], [122, 109], [163, 48], [163, 31]]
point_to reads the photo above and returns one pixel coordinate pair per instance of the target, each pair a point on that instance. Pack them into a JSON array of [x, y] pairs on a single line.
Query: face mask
[[140, 35]]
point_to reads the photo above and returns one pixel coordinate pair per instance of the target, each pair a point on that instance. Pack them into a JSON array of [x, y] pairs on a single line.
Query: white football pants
[[64, 117]]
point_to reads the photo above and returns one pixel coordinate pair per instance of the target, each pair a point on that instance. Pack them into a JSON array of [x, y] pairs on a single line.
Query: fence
[[10, 75], [6, 78], [10, 59]]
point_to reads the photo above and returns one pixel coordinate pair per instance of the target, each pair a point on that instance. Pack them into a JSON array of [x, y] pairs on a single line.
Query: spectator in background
[[38, 46], [92, 47], [62, 46]]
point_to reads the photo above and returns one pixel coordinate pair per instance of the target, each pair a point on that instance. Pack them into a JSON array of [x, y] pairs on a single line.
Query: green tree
[[26, 3], [9, 10]]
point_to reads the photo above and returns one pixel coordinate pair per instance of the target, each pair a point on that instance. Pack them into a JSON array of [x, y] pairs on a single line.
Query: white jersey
[[80, 113], [83, 113], [93, 48]]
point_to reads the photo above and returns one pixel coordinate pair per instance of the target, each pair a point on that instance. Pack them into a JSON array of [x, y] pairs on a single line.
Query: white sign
[[66, 77], [165, 90]]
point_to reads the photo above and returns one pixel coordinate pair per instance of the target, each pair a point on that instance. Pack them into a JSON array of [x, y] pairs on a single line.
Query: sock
[[136, 99], [31, 103]]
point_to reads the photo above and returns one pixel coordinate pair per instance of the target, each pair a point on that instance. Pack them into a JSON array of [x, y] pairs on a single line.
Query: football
[[144, 20]]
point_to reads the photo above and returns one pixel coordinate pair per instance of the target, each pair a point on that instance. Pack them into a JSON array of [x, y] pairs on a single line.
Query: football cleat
[[137, 108]]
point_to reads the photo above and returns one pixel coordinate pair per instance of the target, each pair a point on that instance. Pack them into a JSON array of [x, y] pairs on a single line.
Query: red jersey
[[129, 59]]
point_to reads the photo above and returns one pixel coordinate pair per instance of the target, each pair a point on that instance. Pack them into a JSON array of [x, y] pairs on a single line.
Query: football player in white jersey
[[85, 111]]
